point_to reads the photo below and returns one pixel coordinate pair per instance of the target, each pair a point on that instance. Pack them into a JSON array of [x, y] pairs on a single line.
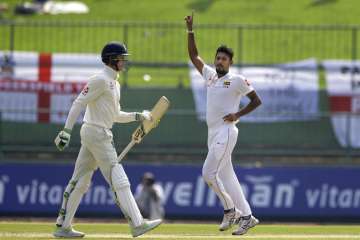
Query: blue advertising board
[[294, 192]]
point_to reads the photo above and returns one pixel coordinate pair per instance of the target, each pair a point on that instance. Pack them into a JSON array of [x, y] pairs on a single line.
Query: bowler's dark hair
[[224, 49]]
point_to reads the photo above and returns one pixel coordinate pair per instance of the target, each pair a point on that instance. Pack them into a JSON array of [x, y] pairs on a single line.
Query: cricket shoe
[[245, 224], [146, 226], [230, 219], [67, 233]]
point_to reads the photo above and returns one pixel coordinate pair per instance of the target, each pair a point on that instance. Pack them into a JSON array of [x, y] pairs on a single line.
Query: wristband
[[67, 130]]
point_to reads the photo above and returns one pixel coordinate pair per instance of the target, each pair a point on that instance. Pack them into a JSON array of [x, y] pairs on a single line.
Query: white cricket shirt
[[223, 95], [101, 97]]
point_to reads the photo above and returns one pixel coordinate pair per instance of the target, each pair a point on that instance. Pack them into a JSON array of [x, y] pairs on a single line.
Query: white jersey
[[101, 97], [223, 95]]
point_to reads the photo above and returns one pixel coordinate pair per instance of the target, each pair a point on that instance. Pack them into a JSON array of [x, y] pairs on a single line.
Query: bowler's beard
[[221, 72]]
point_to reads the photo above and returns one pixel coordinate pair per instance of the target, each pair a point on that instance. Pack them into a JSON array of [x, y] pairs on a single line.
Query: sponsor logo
[[85, 91], [227, 84], [263, 191], [331, 196]]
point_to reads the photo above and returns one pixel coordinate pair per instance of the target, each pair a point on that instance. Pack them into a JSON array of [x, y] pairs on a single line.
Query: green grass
[[167, 43], [164, 77], [42, 230], [217, 11]]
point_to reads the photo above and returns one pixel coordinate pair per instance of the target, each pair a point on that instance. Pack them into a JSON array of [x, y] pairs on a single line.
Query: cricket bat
[[146, 126]]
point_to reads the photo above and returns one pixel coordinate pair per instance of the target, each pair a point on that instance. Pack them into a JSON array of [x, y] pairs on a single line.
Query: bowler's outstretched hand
[[189, 21]]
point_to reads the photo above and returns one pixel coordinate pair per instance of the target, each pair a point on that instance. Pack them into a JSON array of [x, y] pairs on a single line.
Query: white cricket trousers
[[97, 150], [218, 171]]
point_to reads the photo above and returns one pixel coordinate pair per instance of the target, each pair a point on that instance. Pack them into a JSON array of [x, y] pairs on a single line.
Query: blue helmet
[[113, 49]]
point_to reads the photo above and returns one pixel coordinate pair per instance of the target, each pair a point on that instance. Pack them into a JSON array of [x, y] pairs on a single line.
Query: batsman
[[224, 91], [101, 99]]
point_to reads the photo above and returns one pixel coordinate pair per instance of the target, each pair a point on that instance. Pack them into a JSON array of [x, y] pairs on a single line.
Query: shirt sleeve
[[124, 117], [243, 86], [208, 73], [92, 90], [74, 113]]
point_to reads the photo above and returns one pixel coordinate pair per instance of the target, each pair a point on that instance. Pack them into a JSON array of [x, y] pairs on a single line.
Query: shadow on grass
[[318, 3]]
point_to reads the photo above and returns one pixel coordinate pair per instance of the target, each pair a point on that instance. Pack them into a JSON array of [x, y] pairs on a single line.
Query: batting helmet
[[113, 49]]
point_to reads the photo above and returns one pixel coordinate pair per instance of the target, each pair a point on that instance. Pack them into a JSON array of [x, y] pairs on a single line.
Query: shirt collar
[[110, 72], [226, 76]]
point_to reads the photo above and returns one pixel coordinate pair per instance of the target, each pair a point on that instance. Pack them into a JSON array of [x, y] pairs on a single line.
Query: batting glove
[[144, 115], [62, 140]]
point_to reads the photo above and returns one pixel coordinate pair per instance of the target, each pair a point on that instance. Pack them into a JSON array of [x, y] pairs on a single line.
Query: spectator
[[150, 197], [6, 67]]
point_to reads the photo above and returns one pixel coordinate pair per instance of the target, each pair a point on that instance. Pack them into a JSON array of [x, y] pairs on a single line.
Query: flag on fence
[[41, 87], [343, 87]]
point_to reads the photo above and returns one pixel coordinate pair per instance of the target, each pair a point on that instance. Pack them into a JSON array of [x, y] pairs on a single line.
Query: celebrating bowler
[[224, 91]]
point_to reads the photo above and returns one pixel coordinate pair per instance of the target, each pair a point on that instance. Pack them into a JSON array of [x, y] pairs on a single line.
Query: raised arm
[[192, 50]]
